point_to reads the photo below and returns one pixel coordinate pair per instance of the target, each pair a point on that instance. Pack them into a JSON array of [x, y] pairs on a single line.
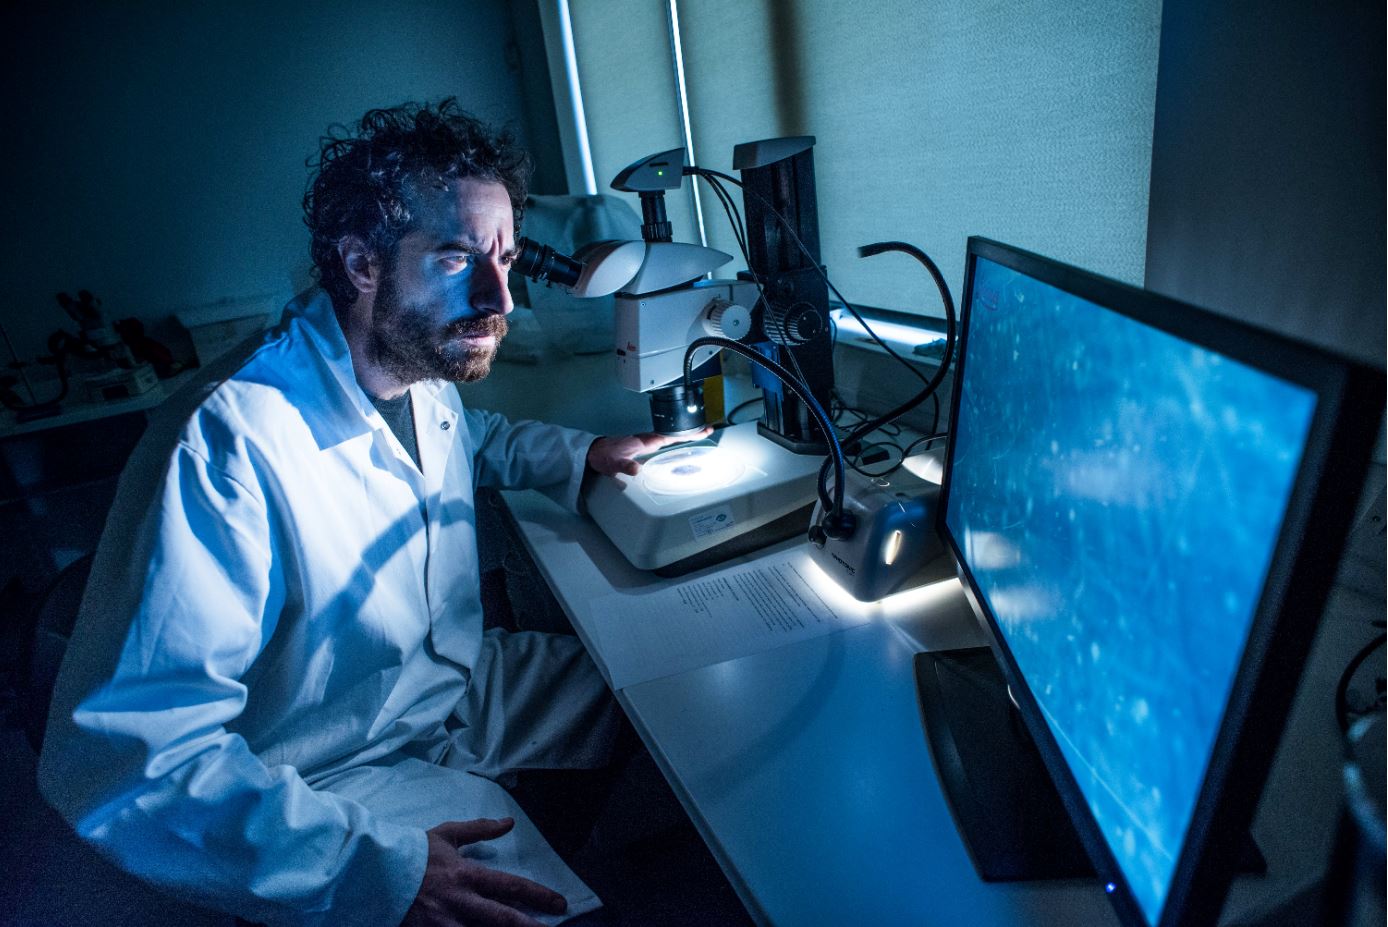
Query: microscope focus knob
[[728, 320], [792, 325]]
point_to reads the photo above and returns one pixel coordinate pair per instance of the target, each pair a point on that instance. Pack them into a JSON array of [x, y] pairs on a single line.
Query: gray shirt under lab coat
[[279, 677]]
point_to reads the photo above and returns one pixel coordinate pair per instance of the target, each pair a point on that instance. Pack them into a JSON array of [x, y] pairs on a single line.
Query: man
[[279, 700]]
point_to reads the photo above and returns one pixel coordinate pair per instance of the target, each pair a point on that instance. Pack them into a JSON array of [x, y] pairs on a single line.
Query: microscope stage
[[688, 499]]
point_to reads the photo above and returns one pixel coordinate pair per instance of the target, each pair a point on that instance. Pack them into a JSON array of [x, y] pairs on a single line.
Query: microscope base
[[692, 499]]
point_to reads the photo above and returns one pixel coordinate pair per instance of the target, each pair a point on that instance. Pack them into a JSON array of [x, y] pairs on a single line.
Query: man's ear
[[359, 263]]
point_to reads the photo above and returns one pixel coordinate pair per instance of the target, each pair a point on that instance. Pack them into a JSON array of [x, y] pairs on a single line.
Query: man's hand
[[458, 891], [610, 456]]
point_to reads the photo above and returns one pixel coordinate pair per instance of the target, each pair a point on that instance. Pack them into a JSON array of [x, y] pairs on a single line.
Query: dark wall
[[1268, 166], [155, 152]]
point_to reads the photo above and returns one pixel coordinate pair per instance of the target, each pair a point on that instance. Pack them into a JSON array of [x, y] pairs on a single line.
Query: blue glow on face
[[1117, 493]]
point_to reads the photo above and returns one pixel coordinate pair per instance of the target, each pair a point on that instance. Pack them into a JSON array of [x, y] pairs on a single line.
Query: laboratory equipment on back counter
[[104, 363], [99, 358]]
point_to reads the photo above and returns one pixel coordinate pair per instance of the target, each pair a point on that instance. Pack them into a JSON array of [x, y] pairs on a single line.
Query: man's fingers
[[515, 890], [462, 832], [651, 442], [611, 456], [474, 909], [654, 441]]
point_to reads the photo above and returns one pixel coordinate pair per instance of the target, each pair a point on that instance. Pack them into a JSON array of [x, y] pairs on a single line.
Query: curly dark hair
[[364, 181]]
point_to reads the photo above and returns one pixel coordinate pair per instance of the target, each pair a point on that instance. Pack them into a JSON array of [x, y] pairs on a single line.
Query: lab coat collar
[[313, 312]]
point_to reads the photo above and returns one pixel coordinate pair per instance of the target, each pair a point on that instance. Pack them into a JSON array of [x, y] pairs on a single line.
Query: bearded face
[[438, 297], [409, 344]]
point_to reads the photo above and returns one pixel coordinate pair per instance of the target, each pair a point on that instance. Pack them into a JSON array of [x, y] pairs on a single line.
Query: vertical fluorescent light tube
[[585, 154], [682, 101]]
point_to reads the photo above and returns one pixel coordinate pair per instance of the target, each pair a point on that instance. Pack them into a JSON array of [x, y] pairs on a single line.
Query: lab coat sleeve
[[528, 455], [138, 757]]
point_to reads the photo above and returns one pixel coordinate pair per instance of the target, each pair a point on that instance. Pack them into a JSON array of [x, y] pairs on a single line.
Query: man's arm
[[527, 455], [553, 459], [183, 596]]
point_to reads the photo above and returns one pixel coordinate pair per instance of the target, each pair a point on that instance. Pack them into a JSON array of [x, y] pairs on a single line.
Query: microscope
[[746, 485]]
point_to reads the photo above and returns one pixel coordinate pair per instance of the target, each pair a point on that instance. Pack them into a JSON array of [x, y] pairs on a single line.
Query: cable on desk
[[740, 406], [1345, 713]]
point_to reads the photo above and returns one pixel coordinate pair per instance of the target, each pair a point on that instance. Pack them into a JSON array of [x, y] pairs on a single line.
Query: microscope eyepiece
[[542, 263]]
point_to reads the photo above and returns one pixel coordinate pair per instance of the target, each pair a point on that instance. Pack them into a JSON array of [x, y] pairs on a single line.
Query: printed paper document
[[741, 611]]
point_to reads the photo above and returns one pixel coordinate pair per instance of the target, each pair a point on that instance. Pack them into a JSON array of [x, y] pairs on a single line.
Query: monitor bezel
[[1343, 430]]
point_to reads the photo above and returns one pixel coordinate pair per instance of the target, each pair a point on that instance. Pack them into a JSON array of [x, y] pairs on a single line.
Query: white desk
[[805, 768]]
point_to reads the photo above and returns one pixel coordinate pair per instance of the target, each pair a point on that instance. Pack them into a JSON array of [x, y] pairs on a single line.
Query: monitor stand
[[1004, 803]]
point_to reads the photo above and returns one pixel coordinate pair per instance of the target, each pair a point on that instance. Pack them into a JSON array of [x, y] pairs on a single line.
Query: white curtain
[[1029, 121]]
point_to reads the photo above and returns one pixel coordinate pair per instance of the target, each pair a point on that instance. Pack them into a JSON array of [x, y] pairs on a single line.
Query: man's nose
[[489, 293]]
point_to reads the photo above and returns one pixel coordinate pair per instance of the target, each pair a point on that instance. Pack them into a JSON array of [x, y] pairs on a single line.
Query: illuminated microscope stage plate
[[690, 499], [688, 470]]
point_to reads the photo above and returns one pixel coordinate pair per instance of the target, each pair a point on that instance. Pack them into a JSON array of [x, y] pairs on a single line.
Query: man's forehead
[[468, 205]]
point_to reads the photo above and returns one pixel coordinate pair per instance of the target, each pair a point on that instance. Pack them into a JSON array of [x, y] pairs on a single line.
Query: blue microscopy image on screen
[[1117, 493]]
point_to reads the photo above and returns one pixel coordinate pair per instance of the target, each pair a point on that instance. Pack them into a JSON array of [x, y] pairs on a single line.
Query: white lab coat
[[257, 709]]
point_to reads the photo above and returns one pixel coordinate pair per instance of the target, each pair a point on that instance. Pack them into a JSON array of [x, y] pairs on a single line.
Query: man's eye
[[456, 262]]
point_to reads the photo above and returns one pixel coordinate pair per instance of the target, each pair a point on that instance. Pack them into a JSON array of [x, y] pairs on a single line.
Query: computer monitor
[[1147, 503]]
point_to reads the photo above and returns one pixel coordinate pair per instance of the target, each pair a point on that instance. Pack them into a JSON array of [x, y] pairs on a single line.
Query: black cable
[[740, 234], [713, 178], [891, 468], [740, 406], [715, 183], [902, 452], [730, 210], [1342, 708], [844, 409], [943, 370], [868, 251], [925, 439], [739, 231], [790, 230], [839, 523], [940, 372]]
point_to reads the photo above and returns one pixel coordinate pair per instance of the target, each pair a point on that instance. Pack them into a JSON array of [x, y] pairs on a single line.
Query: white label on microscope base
[[711, 522]]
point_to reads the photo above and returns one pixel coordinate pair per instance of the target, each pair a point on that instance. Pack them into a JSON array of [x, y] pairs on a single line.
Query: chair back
[[53, 623]]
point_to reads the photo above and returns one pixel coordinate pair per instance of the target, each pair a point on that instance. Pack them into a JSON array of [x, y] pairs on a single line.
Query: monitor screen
[[1116, 492]]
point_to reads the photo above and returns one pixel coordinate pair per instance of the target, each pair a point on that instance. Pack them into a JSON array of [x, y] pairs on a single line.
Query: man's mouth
[[482, 333]]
